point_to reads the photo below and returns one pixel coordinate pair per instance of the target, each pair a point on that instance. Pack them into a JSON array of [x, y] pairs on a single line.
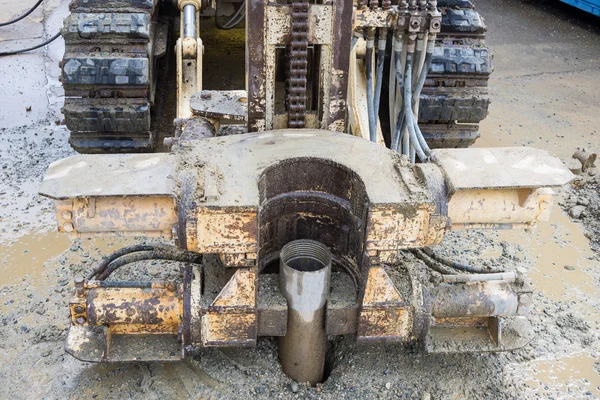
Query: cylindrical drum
[[304, 279]]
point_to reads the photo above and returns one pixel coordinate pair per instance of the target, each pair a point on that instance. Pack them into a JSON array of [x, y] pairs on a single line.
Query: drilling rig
[[297, 224]]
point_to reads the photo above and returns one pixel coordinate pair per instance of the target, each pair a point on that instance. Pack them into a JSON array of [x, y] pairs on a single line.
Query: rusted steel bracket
[[228, 105], [189, 74], [397, 18], [231, 320], [385, 314]]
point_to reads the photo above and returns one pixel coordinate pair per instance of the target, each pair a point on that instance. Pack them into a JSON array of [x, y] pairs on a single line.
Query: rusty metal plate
[[89, 344], [501, 168], [516, 333], [384, 315], [226, 230], [229, 329], [225, 104], [377, 166], [110, 175]]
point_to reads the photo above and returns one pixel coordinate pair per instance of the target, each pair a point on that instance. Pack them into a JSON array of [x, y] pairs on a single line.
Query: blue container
[[591, 6]]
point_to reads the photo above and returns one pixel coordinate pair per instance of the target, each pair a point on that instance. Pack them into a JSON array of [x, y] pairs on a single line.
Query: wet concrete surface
[[545, 89], [30, 80], [545, 93]]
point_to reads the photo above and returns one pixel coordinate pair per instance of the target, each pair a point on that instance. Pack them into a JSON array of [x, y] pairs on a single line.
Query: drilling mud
[[545, 94]]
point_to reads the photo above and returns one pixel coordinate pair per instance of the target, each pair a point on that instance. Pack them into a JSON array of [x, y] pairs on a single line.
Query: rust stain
[[240, 291], [380, 288], [226, 230], [229, 329], [385, 323], [134, 310]]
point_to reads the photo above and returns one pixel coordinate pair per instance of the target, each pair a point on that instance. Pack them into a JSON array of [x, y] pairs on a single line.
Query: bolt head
[[79, 309], [66, 215], [80, 320]]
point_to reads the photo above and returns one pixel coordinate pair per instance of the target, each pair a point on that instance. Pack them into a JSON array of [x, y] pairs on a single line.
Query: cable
[[408, 114], [235, 19], [104, 263], [381, 45], [431, 263], [12, 52], [32, 9], [456, 265], [370, 95], [167, 254]]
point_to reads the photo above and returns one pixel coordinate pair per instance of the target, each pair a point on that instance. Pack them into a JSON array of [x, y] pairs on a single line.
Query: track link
[[108, 75], [455, 96]]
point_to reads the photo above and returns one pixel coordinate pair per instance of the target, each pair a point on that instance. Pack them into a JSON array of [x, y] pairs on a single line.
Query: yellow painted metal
[[499, 206], [384, 314], [232, 317], [150, 216], [134, 310]]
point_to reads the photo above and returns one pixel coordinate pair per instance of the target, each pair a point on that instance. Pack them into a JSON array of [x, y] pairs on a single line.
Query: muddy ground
[[545, 91]]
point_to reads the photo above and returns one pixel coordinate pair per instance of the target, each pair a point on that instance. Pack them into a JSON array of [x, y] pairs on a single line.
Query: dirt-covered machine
[[118, 62], [303, 223]]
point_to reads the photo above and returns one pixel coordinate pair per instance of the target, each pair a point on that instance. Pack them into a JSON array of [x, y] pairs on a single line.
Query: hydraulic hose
[[103, 264], [398, 84], [381, 45], [32, 9], [369, 73], [405, 139], [392, 89], [408, 110], [356, 34], [235, 19], [417, 92], [417, 59], [452, 264], [172, 254], [12, 52], [431, 263], [422, 77], [421, 138]]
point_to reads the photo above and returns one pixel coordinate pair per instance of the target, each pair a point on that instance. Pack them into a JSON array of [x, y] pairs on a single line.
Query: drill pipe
[[304, 276]]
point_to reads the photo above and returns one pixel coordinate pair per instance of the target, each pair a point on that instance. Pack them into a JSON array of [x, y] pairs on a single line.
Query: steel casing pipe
[[304, 281]]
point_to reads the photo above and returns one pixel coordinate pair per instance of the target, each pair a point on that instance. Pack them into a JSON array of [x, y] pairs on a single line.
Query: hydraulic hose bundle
[[141, 252], [413, 41]]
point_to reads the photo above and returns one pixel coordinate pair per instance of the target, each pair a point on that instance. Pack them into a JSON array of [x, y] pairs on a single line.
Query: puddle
[[24, 258], [557, 243], [575, 372], [491, 252], [27, 255]]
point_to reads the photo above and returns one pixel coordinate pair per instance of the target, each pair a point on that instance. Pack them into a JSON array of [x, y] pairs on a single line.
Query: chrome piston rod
[[189, 21], [304, 281]]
